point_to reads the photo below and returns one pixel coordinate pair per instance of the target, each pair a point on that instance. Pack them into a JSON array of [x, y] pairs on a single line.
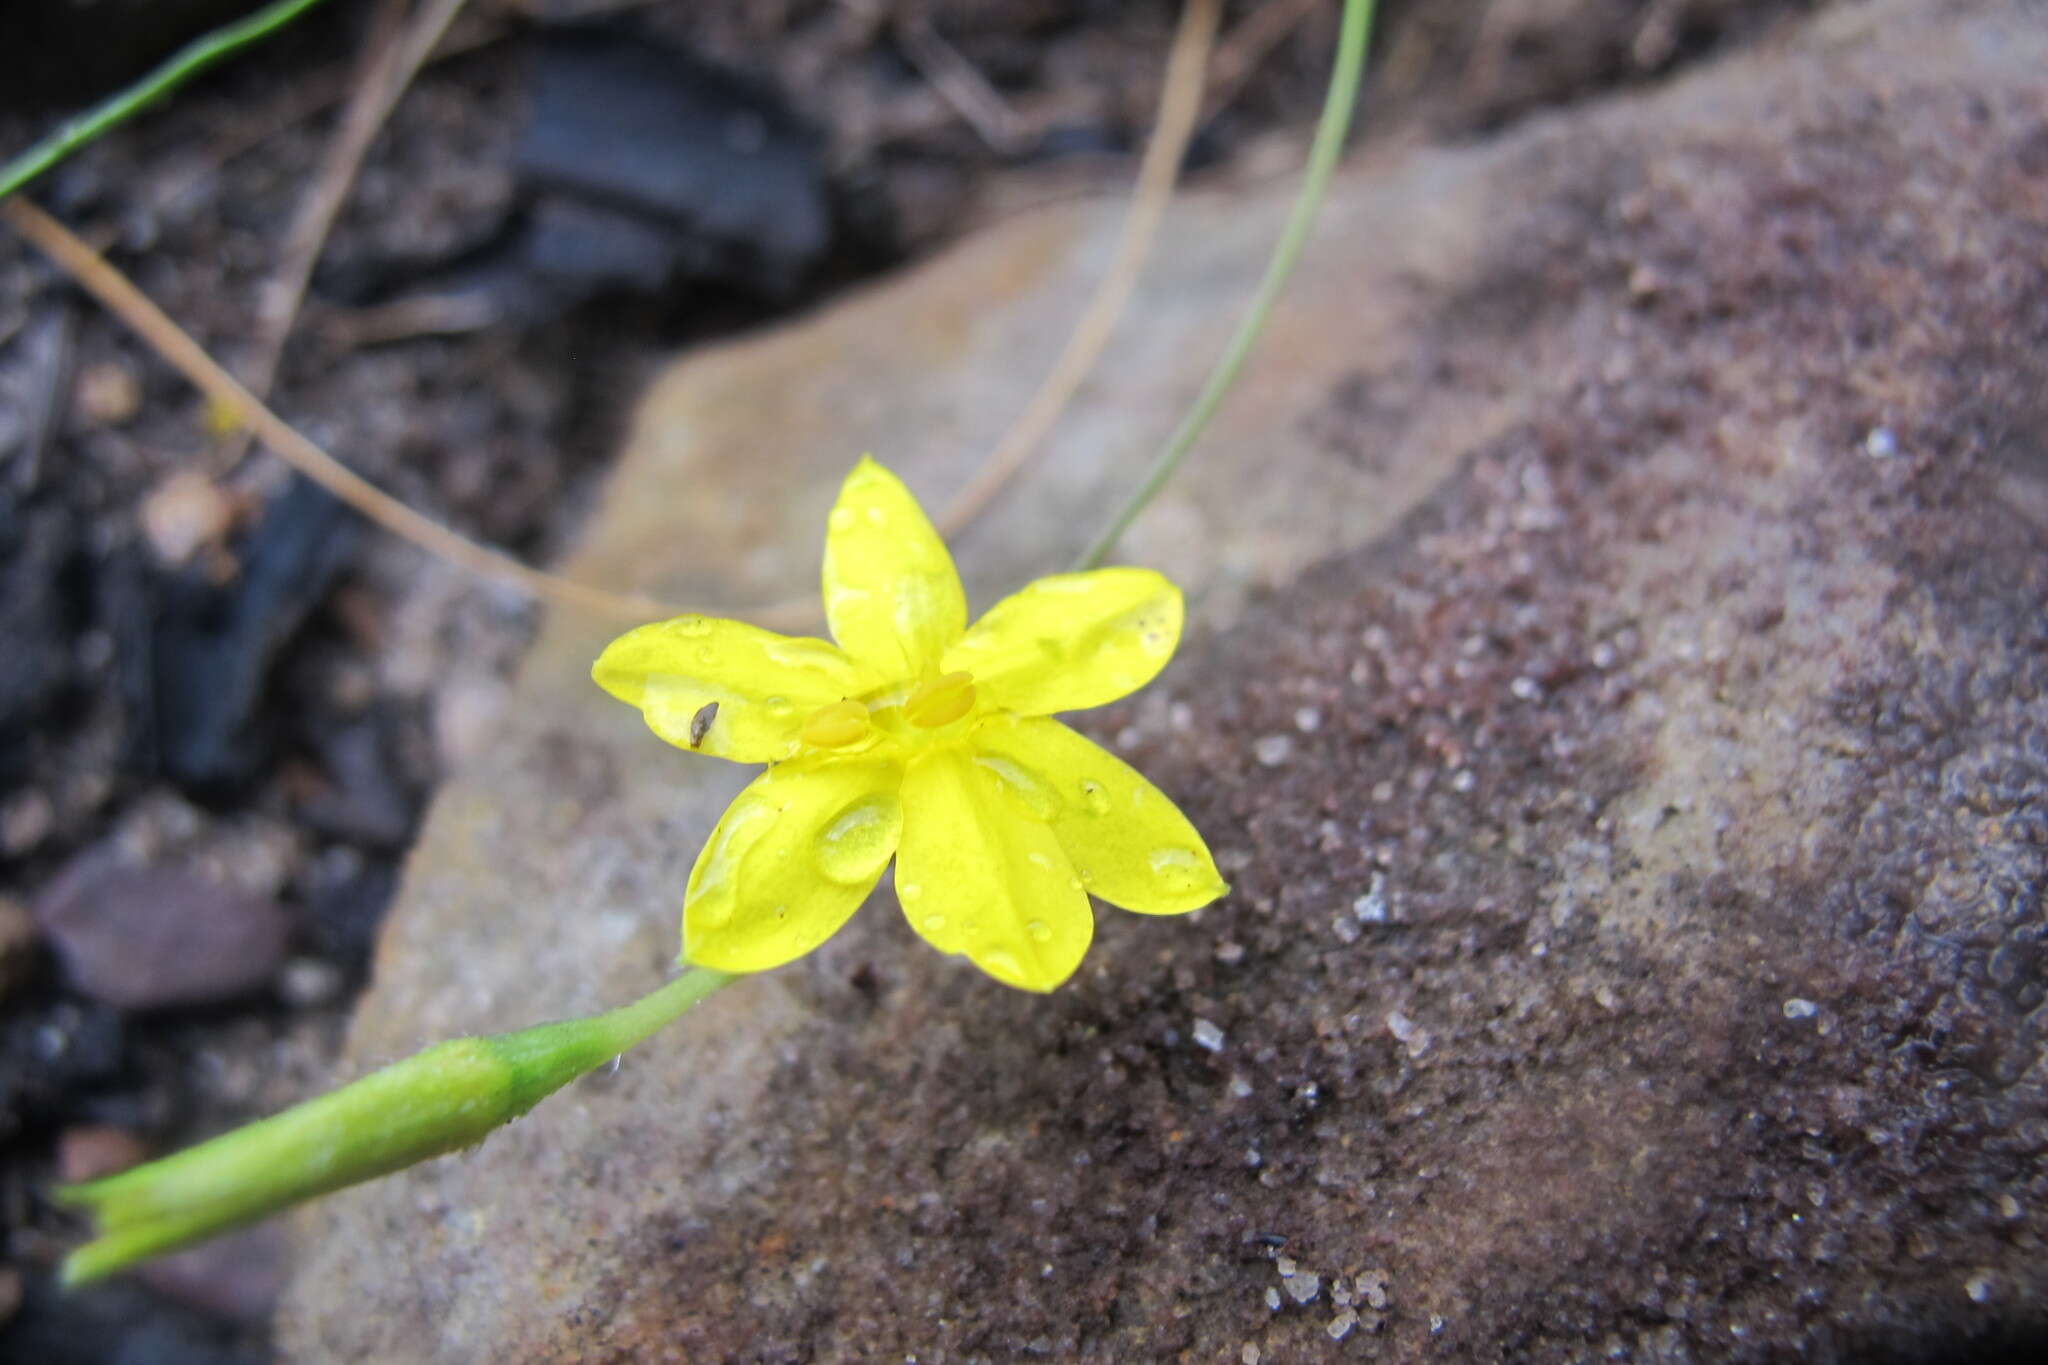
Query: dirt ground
[[220, 689]]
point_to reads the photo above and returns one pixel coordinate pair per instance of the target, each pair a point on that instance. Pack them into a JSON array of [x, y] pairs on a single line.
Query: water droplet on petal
[[1039, 930], [1178, 868], [1002, 965], [854, 845], [1093, 798], [712, 909], [934, 923], [1039, 860], [908, 891], [1028, 787], [841, 519]]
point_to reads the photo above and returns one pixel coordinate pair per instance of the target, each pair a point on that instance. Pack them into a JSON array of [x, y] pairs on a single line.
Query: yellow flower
[[925, 739]]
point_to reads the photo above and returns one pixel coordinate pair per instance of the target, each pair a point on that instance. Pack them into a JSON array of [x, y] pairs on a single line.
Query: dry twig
[[189, 358], [1180, 104], [385, 78]]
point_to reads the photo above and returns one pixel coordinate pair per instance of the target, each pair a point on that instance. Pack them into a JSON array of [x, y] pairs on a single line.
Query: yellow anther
[[836, 726], [941, 701]]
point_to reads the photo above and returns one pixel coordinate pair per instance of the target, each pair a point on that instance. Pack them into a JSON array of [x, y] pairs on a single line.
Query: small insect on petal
[[700, 724]]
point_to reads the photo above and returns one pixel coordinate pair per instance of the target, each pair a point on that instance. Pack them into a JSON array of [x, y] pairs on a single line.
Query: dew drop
[[1002, 965], [1039, 860], [711, 909], [1093, 798], [908, 891], [858, 841], [1028, 787], [1177, 868], [1039, 930], [934, 923], [842, 519]]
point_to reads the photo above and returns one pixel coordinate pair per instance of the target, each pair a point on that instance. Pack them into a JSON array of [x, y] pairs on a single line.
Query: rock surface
[[1621, 704]]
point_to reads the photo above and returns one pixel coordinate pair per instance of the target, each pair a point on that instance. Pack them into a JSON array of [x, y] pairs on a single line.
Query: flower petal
[[1072, 640], [763, 685], [977, 874], [1126, 838], [892, 595], [790, 860]]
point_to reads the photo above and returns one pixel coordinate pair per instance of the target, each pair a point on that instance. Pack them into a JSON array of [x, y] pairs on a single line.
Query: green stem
[[450, 1096], [1322, 162], [182, 66]]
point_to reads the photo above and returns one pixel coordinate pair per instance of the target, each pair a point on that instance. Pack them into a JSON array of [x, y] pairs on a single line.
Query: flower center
[[836, 726], [941, 701]]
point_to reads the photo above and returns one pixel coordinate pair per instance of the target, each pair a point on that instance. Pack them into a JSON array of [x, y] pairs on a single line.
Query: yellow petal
[[1072, 640], [791, 859], [763, 685], [978, 874], [1126, 838], [892, 595]]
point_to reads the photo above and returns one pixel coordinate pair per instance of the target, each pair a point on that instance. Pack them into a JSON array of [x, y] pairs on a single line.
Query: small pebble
[[108, 394], [1248, 1354], [1980, 1286], [1371, 908], [1285, 1265], [1303, 1288], [1795, 1008], [308, 983], [25, 822], [1345, 927], [145, 937], [93, 1150], [1272, 750], [184, 514], [1308, 719], [17, 944], [1525, 688], [1880, 444], [1208, 1036], [1272, 1298], [1341, 1325]]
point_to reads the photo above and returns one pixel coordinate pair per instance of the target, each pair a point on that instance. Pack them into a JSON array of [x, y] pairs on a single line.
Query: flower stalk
[[451, 1096]]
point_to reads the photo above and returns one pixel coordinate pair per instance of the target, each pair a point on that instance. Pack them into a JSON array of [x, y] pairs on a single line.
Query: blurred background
[[225, 700]]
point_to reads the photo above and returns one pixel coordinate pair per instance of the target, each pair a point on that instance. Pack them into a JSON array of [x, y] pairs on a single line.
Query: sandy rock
[[1636, 954]]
